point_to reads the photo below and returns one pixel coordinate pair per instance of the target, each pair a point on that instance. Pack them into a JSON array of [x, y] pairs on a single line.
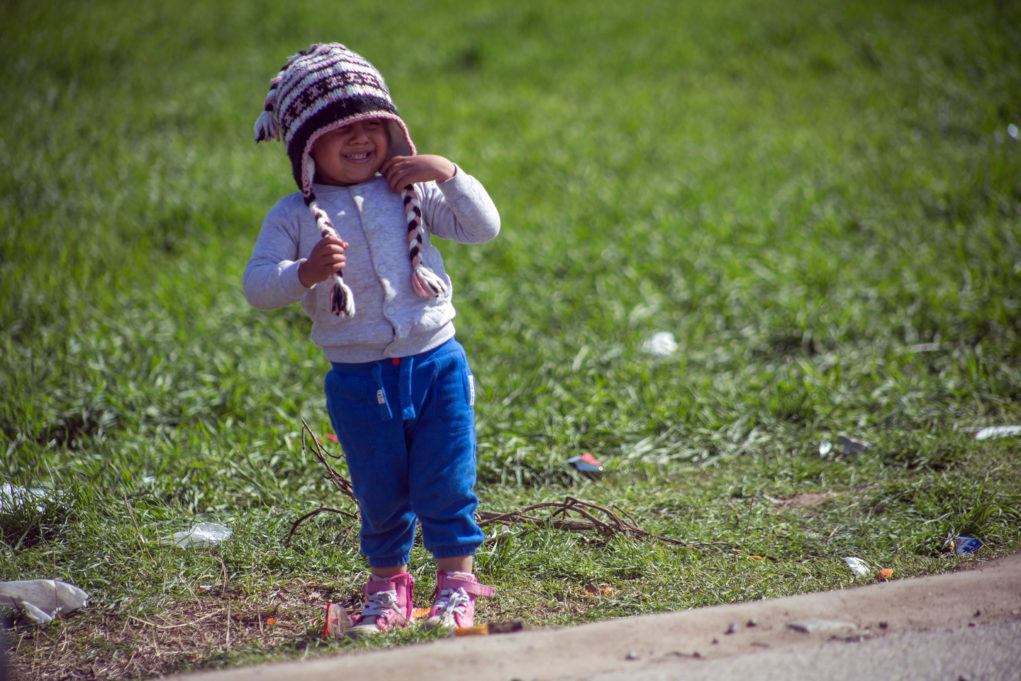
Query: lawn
[[814, 207]]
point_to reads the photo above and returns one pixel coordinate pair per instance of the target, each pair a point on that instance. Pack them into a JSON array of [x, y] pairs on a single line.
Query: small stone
[[716, 641], [731, 628], [883, 625], [752, 623], [813, 626], [632, 655]]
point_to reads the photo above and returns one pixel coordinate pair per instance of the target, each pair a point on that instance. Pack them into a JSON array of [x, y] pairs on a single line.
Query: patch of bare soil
[[215, 623]]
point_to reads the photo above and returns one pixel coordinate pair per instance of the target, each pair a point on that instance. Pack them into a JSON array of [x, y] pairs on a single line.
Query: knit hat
[[319, 90]]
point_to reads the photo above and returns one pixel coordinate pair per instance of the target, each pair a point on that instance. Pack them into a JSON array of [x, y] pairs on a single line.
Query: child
[[400, 394]]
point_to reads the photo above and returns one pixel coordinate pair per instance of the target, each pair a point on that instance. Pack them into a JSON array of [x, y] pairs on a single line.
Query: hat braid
[[342, 301], [426, 283]]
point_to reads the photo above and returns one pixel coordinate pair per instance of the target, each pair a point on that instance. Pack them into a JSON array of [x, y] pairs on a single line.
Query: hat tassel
[[424, 281], [342, 301], [266, 127]]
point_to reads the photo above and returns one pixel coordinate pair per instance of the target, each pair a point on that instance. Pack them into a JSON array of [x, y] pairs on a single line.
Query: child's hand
[[400, 171], [326, 258]]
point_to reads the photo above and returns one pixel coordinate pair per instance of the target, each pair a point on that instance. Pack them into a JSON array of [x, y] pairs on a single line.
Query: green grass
[[821, 202]]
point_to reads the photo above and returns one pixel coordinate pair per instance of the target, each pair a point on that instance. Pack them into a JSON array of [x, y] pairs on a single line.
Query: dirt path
[[658, 646]]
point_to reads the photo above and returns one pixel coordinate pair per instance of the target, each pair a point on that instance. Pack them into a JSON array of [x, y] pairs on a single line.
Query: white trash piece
[[997, 431], [661, 344], [203, 534], [858, 566], [13, 496], [42, 599]]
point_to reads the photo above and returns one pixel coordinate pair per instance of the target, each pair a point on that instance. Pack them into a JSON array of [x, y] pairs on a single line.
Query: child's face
[[351, 154]]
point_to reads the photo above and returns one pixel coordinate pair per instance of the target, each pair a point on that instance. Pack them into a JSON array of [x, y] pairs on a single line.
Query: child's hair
[[324, 88]]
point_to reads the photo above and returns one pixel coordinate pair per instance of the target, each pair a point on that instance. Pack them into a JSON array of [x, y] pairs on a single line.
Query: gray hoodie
[[391, 320]]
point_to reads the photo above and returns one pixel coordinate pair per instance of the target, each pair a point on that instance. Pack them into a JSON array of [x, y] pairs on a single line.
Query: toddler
[[355, 247]]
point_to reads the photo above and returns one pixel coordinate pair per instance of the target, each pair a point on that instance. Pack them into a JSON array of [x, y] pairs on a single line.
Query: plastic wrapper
[[586, 463], [203, 534], [42, 599], [660, 344], [997, 431], [338, 621], [858, 566]]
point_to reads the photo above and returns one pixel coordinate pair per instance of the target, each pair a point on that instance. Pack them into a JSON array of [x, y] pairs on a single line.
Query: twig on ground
[[590, 521], [595, 518], [312, 514]]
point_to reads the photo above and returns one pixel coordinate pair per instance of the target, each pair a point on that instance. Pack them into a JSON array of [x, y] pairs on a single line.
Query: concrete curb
[[665, 645]]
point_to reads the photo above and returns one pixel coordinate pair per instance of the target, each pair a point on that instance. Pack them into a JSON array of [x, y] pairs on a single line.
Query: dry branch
[[339, 481], [593, 518], [590, 520]]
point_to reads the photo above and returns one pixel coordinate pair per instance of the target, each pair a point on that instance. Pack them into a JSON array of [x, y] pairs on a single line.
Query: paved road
[[960, 626]]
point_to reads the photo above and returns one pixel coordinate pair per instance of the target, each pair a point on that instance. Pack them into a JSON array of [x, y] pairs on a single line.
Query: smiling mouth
[[356, 158]]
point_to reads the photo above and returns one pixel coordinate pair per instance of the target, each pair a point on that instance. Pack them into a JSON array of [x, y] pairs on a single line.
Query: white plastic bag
[[13, 496], [858, 566], [203, 534], [42, 599], [660, 344]]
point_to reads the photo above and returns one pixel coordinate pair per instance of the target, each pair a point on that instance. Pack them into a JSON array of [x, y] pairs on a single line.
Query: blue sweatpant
[[408, 434]]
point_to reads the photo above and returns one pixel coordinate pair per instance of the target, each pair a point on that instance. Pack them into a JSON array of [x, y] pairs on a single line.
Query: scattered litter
[[858, 566], [661, 344], [205, 587], [1013, 132], [586, 463], [846, 446], [488, 629], [851, 446], [203, 534], [337, 621], [331, 437], [813, 626], [42, 599], [997, 431], [500, 533], [731, 628], [270, 620], [966, 545], [13, 496], [594, 590], [885, 574]]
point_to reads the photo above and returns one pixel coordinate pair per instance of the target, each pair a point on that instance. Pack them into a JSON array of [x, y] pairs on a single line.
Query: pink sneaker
[[387, 606], [454, 600]]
